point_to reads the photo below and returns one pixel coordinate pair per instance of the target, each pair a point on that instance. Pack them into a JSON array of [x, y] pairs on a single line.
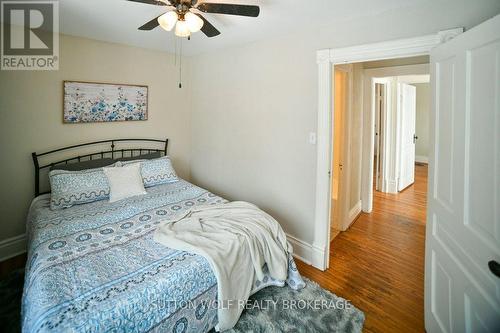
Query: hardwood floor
[[378, 264], [9, 265]]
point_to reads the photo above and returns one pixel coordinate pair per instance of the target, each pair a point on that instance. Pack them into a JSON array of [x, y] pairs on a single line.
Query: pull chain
[[180, 65]]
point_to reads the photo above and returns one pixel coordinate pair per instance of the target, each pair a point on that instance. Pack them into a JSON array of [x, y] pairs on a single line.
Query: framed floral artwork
[[88, 102]]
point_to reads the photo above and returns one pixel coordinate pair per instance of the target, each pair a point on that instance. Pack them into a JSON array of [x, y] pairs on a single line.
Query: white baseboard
[[301, 249], [391, 186], [318, 258], [421, 159], [353, 214], [12, 247]]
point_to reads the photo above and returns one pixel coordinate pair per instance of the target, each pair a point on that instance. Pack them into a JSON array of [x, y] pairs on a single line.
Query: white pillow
[[124, 181]]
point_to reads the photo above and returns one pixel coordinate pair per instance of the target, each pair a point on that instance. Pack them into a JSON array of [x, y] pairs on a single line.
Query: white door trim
[[326, 59]]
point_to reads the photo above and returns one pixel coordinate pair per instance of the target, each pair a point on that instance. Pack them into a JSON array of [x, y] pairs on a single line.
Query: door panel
[[442, 280], [445, 95], [484, 132], [480, 316], [463, 233]]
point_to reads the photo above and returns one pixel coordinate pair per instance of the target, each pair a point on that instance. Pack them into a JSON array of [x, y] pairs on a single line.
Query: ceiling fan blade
[[150, 25], [208, 29], [230, 9], [150, 2]]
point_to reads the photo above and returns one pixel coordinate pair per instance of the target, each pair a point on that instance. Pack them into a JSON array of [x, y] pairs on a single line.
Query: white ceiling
[[118, 20]]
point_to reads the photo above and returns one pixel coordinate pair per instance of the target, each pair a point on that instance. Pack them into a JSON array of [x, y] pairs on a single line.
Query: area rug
[[311, 309], [11, 291], [271, 310]]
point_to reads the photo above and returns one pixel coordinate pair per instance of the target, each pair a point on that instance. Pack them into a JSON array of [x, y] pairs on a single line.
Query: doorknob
[[415, 138], [494, 268]]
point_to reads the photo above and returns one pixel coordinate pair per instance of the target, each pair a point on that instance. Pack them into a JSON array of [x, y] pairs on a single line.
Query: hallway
[[378, 264]]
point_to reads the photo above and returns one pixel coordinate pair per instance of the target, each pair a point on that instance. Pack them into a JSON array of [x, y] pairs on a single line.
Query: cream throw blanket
[[237, 239]]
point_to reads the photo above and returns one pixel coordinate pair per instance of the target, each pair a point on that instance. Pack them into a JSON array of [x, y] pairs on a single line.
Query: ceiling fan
[[186, 21]]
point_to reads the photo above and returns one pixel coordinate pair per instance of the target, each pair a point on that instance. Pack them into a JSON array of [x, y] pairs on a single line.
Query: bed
[[95, 267]]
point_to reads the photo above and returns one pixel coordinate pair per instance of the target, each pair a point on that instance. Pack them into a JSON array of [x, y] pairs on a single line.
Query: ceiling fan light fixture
[[194, 22], [168, 20], [182, 29]]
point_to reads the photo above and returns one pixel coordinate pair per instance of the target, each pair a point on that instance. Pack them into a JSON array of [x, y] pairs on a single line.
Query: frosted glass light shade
[[168, 20], [182, 29], [193, 21]]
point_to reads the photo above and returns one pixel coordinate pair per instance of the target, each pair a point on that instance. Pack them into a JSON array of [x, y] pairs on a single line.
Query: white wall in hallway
[[422, 122]]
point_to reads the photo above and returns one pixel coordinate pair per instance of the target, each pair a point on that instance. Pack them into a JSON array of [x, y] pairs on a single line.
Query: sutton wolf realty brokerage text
[[29, 35]]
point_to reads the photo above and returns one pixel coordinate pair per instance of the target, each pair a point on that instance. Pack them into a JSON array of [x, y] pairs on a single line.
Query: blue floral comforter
[[96, 268]]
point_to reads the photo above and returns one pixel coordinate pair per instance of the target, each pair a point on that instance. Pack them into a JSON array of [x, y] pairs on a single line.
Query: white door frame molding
[[326, 59]]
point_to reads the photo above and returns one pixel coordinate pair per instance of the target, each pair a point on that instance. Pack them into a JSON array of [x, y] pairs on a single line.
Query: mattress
[[96, 268]]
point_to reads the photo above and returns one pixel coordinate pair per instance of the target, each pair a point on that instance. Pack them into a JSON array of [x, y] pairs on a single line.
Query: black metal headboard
[[111, 152]]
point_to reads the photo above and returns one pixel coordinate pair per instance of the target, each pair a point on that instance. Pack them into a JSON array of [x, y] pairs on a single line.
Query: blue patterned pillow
[[158, 171], [69, 188]]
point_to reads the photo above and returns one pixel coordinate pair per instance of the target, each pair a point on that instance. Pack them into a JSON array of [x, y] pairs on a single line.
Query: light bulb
[[168, 20], [182, 29], [193, 21]]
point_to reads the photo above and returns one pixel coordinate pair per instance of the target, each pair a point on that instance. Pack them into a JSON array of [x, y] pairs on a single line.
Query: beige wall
[[254, 106], [422, 119], [31, 114]]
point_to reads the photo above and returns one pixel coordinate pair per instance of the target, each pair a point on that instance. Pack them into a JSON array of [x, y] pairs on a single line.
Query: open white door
[[341, 146], [407, 111], [462, 275]]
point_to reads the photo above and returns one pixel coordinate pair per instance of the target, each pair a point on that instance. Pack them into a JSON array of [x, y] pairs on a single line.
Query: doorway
[[461, 243], [359, 88], [373, 252], [327, 59], [396, 105]]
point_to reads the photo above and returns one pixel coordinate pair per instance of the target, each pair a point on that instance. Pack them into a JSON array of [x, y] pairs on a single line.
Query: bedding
[[69, 188], [158, 171], [238, 239], [124, 182], [96, 267]]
